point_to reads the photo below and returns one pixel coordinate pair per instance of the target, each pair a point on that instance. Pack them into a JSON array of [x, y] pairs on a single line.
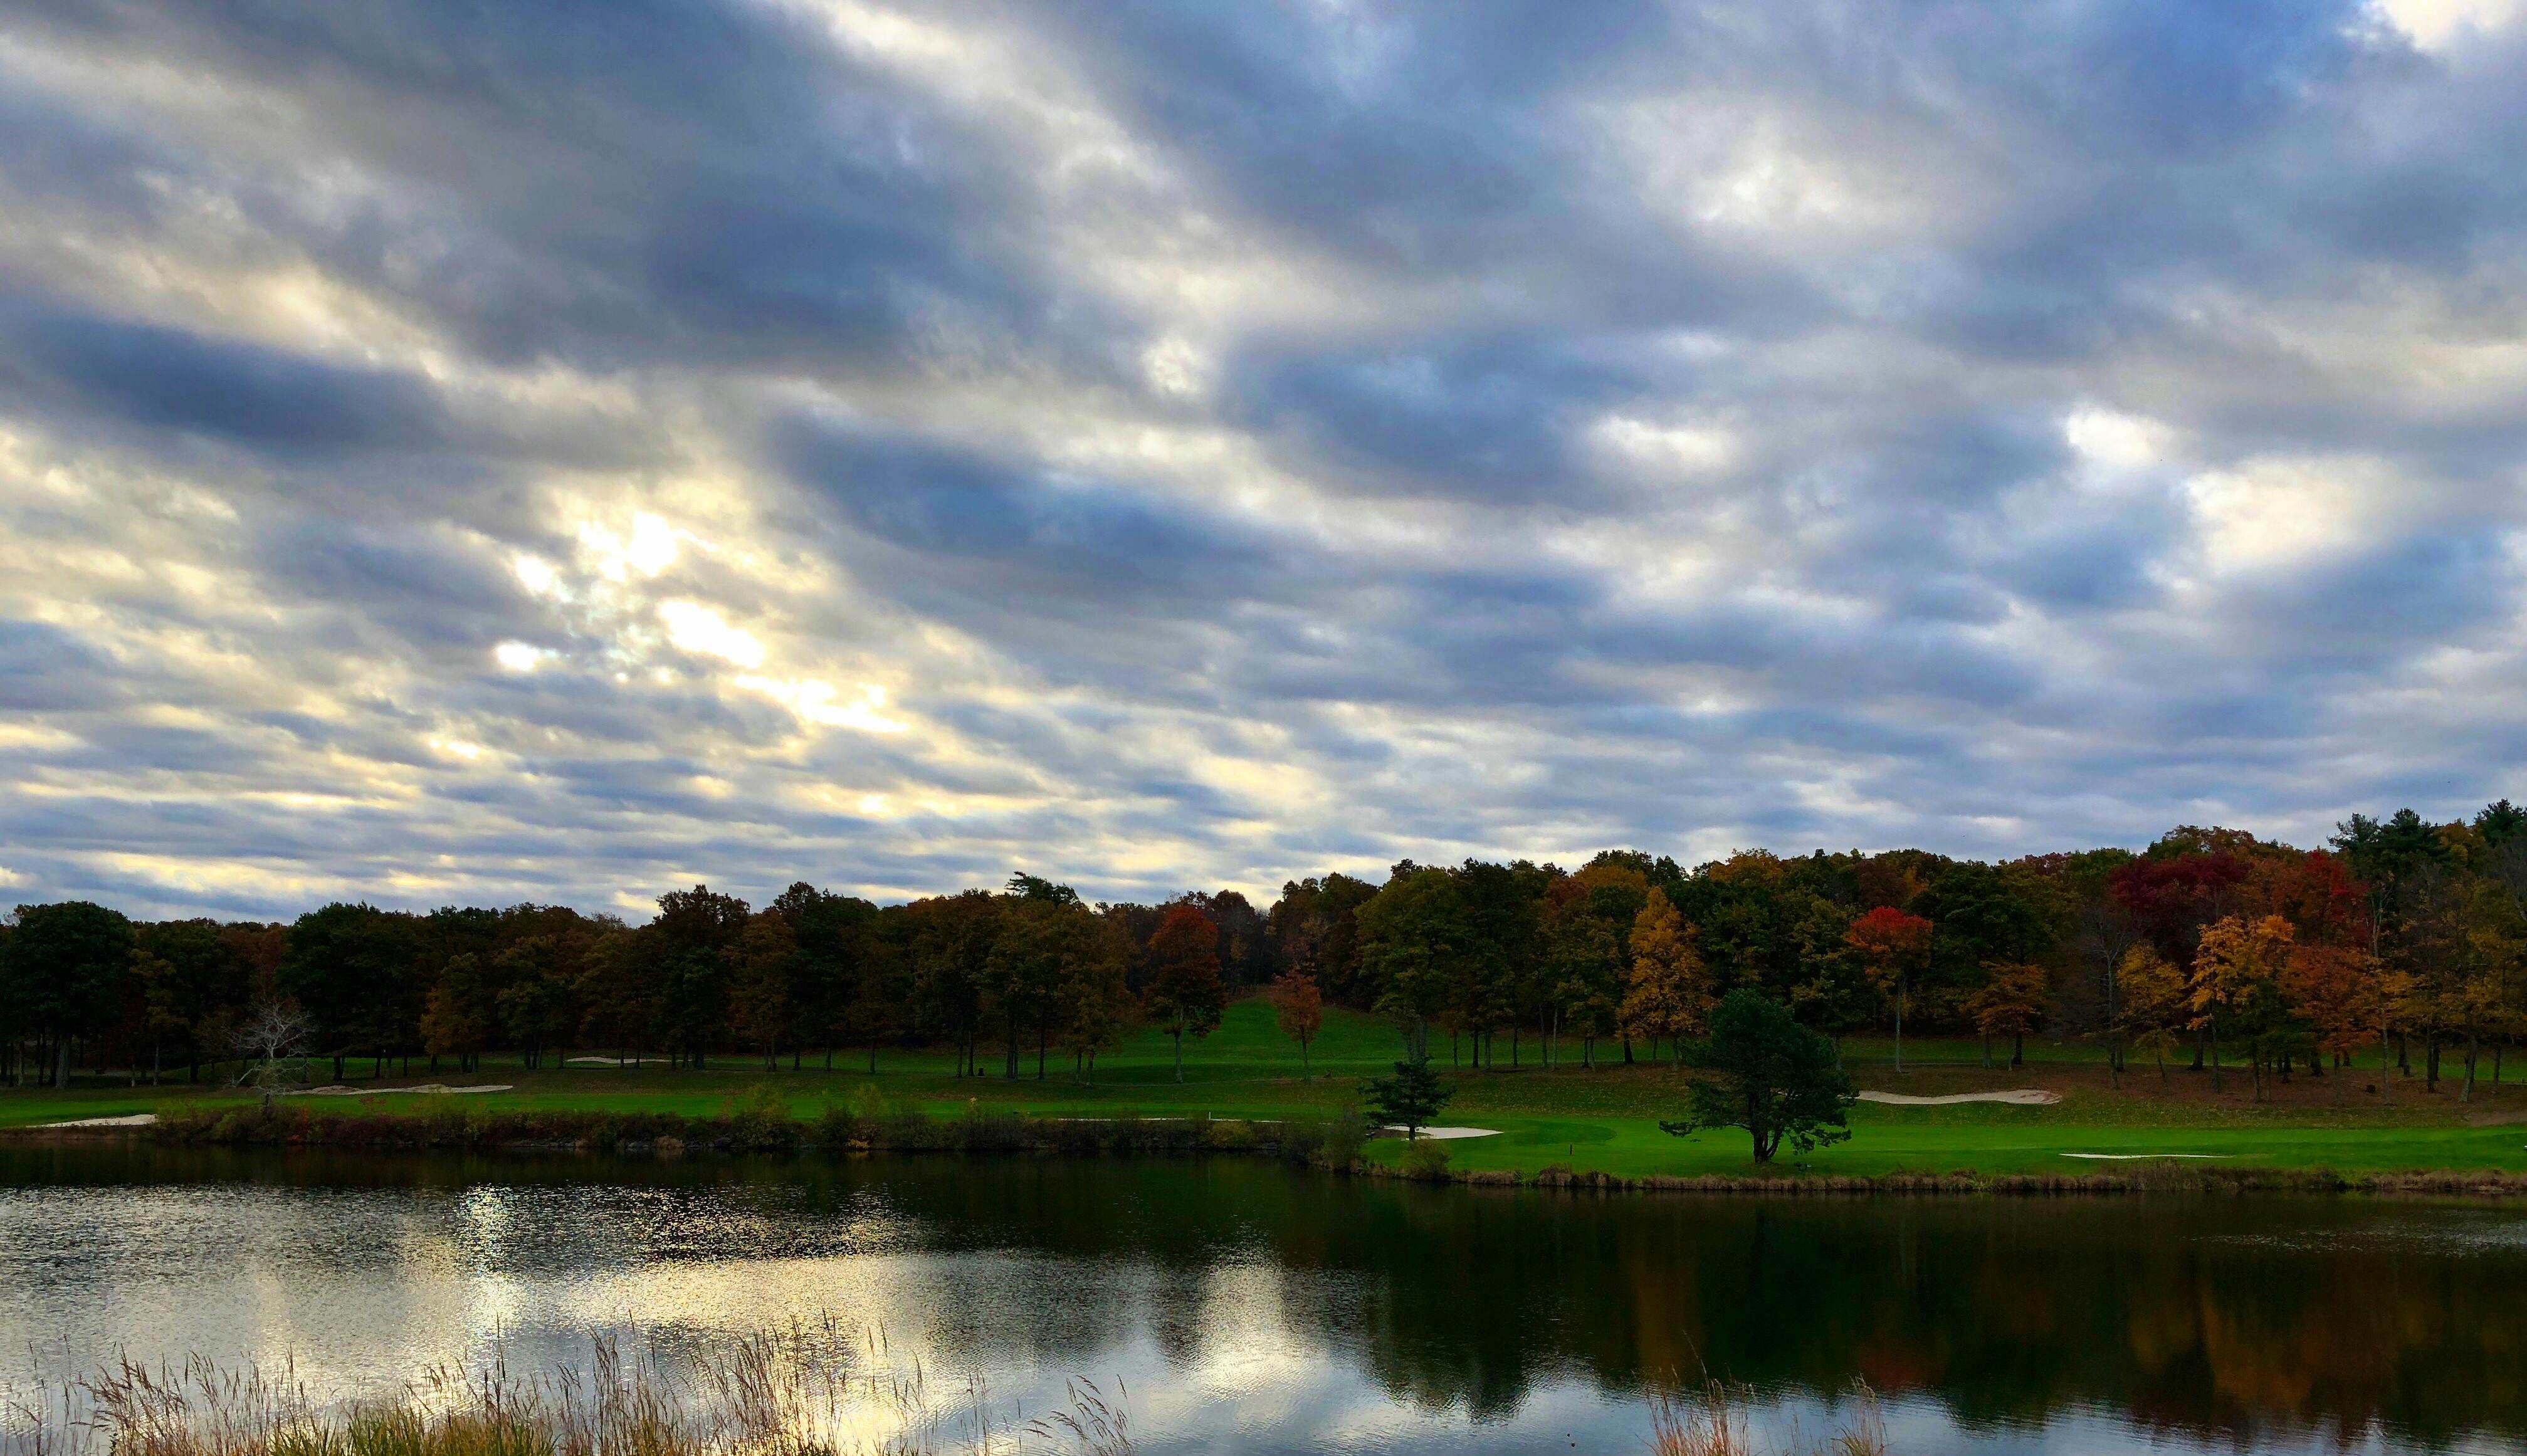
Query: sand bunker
[[432, 1089], [1444, 1134], [2016, 1097], [136, 1120], [2137, 1157]]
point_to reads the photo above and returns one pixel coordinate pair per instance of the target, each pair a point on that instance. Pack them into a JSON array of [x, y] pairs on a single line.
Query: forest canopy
[[2209, 941]]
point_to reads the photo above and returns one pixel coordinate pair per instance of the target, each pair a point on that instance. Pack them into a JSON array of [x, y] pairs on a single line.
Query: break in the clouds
[[557, 452]]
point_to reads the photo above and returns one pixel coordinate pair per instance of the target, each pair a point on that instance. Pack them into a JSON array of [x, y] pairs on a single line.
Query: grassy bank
[[1599, 1123]]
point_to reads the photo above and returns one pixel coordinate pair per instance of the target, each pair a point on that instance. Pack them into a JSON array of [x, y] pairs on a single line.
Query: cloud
[[597, 447]]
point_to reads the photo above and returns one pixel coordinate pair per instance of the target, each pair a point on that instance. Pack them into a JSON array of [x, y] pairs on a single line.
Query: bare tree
[[271, 1042]]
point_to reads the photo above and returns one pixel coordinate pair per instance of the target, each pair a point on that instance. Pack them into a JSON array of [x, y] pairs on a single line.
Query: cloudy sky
[[559, 452]]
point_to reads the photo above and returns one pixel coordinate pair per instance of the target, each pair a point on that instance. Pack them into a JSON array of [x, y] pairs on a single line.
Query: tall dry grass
[[806, 1391], [1713, 1420]]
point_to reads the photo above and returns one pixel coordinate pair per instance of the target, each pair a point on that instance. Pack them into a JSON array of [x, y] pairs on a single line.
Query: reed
[[1713, 1420], [804, 1390]]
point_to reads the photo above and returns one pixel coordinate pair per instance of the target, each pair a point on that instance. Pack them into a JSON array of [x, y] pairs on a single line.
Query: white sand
[[1444, 1134], [2137, 1157], [2016, 1097], [136, 1120]]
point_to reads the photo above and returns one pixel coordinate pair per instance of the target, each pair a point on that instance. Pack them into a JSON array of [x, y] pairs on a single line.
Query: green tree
[[1414, 944], [353, 968], [692, 937], [65, 966], [762, 983], [1409, 1098], [1770, 1076]]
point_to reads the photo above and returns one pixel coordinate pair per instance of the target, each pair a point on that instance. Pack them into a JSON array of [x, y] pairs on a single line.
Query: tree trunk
[[2466, 1092], [1899, 1026], [1177, 1035], [1305, 1073], [62, 1064]]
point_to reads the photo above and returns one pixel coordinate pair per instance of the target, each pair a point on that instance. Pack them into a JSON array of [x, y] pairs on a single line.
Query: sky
[[562, 452]]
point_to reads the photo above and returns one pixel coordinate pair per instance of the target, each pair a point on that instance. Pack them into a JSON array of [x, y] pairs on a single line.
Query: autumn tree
[[2237, 985], [2155, 1006], [1096, 997], [1299, 1011], [1185, 997], [1893, 943], [1669, 988], [2009, 1003], [457, 1013], [2340, 990]]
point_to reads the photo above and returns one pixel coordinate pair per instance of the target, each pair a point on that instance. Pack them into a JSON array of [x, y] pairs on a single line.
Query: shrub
[[1230, 1137], [1340, 1138], [762, 1122], [1425, 1160]]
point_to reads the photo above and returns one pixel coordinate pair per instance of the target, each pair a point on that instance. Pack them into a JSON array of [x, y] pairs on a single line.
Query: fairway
[[1600, 1120]]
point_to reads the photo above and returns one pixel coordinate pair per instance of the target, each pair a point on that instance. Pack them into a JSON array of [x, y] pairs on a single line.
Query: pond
[[1249, 1307]]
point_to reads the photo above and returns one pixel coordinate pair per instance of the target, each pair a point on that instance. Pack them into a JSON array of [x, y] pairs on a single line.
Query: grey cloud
[[1373, 585], [155, 378]]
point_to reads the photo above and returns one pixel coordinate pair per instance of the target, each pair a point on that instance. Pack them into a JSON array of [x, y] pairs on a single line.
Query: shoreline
[[1329, 1146]]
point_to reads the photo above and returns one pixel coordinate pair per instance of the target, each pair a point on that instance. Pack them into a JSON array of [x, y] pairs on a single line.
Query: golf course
[[1586, 1121]]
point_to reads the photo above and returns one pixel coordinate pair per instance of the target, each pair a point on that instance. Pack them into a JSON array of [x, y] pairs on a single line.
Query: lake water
[[1251, 1308]]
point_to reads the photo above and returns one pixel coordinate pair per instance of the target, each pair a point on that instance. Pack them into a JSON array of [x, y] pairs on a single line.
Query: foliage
[[1409, 1098], [1669, 989], [1770, 1076], [1298, 1010], [1185, 994]]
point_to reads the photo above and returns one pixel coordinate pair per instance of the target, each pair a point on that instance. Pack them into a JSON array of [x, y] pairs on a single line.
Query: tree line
[[2209, 944]]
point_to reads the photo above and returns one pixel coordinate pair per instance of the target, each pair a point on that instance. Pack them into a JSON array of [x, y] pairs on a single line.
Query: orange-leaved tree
[[2009, 1003], [1893, 943], [2339, 993], [1185, 994], [1669, 991], [1298, 1009]]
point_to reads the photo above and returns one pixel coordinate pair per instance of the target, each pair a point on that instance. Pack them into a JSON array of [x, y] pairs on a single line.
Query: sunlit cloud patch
[[1208, 446]]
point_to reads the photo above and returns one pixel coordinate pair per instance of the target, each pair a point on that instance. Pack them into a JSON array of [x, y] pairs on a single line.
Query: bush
[[762, 1122], [1229, 1137], [1425, 1161], [1339, 1140]]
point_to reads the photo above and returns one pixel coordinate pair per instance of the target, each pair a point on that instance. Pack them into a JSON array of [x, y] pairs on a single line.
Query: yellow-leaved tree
[[1668, 992], [2156, 1003], [2237, 982], [2009, 1003]]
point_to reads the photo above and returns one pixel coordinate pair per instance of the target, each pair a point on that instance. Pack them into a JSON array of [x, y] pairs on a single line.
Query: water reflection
[[1253, 1308]]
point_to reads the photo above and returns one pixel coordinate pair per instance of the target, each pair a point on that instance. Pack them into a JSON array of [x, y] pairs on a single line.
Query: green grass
[[1600, 1120]]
